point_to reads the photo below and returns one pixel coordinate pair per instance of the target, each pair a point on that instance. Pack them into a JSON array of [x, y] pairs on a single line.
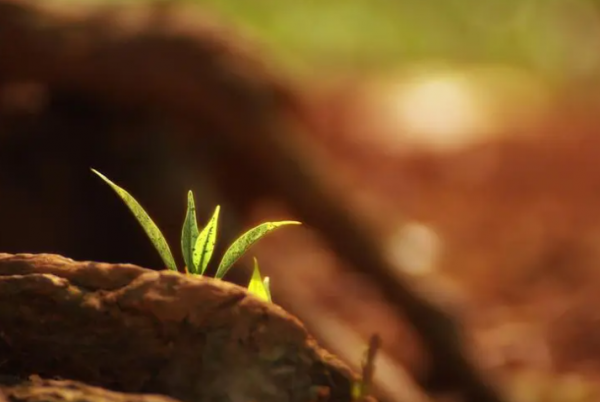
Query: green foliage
[[197, 246], [382, 35], [245, 241], [189, 234], [205, 245], [152, 231]]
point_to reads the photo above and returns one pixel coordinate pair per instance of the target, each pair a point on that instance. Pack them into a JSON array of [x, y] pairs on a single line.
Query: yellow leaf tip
[[289, 223]]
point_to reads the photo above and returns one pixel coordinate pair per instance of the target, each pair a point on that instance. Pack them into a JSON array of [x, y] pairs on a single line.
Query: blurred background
[[463, 133]]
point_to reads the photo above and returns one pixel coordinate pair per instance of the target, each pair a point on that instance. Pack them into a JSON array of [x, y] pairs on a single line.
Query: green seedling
[[197, 246], [258, 285], [361, 388], [189, 233]]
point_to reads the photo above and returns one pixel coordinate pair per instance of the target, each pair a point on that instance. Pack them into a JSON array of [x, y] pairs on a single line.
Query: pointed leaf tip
[[189, 235], [152, 231], [205, 243], [245, 241], [259, 286]]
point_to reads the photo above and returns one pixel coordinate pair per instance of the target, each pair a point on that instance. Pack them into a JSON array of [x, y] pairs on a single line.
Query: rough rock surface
[[130, 329]]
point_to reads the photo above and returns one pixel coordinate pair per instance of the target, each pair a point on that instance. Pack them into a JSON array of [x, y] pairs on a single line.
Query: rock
[[130, 329], [64, 391]]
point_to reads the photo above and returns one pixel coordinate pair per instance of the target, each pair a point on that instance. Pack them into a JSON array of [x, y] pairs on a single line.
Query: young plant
[[258, 285], [197, 246], [361, 388]]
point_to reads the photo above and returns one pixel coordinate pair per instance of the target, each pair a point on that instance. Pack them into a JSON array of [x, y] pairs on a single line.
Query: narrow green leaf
[[152, 231], [244, 242], [258, 286], [189, 235], [205, 244]]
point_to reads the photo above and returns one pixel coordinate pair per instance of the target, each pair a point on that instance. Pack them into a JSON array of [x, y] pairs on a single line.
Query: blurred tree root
[[154, 65]]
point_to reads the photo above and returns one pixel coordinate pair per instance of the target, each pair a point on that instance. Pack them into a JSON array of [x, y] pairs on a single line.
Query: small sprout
[[245, 241], [189, 234], [197, 246], [205, 244], [361, 388], [258, 286], [152, 231]]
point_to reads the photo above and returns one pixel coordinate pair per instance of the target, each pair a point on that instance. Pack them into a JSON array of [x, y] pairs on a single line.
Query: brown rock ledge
[[37, 390], [130, 329]]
